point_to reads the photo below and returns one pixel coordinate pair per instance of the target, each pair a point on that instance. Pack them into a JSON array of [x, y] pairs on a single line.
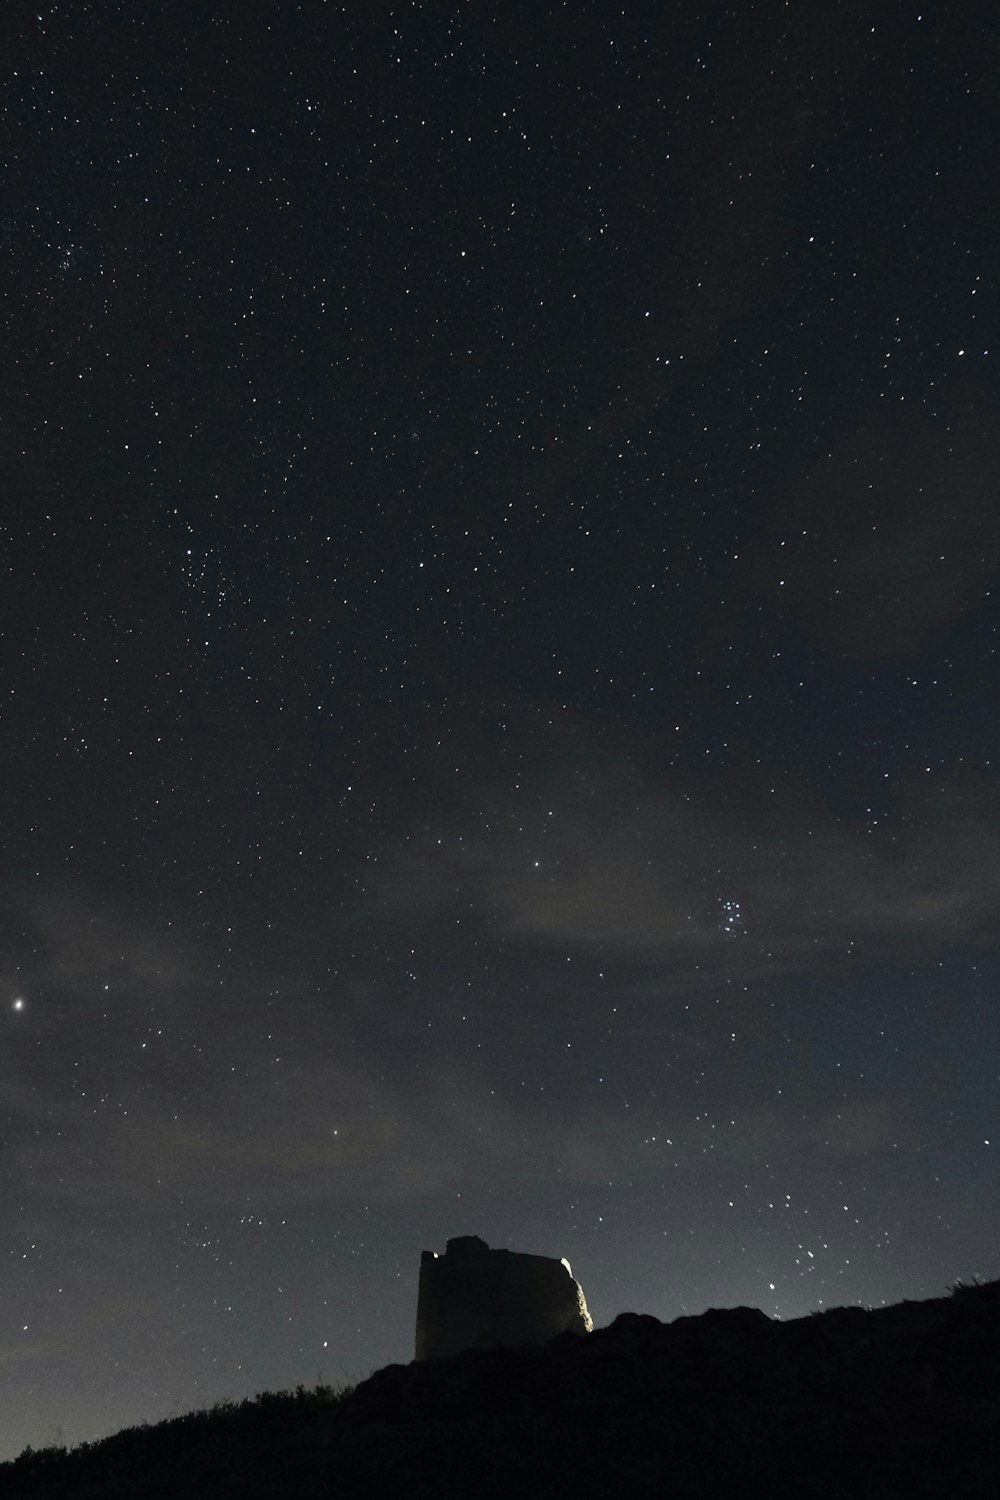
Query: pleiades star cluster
[[499, 551]]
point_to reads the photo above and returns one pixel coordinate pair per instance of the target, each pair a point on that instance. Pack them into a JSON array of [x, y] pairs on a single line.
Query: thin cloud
[[719, 878]]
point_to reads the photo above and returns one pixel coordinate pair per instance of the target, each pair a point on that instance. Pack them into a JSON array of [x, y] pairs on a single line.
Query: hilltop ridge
[[852, 1402]]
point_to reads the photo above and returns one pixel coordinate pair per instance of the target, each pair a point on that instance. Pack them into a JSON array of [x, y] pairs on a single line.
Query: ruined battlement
[[472, 1297]]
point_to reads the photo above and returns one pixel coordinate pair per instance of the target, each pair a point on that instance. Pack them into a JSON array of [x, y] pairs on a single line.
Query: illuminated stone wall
[[473, 1297]]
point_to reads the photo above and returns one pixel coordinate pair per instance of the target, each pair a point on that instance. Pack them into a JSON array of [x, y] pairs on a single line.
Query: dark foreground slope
[[898, 1401]]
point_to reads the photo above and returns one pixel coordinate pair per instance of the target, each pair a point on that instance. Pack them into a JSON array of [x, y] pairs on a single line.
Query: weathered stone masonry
[[473, 1297]]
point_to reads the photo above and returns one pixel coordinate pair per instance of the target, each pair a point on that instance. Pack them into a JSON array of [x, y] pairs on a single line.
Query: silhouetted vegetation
[[227, 1449], [850, 1404]]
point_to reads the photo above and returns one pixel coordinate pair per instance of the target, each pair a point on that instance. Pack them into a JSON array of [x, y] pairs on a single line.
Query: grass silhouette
[[230, 1447]]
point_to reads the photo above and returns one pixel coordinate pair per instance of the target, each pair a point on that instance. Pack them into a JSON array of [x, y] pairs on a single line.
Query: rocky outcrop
[[850, 1404], [473, 1297]]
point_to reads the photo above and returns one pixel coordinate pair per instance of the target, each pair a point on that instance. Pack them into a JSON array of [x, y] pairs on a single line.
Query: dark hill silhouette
[[901, 1401]]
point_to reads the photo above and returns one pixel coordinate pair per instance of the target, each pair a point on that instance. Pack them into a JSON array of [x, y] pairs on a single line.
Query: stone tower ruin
[[472, 1297]]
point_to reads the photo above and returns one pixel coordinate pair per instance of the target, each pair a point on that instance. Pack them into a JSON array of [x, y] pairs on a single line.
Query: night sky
[[500, 545]]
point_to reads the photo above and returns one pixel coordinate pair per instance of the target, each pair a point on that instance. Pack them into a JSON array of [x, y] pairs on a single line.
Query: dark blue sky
[[500, 540]]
